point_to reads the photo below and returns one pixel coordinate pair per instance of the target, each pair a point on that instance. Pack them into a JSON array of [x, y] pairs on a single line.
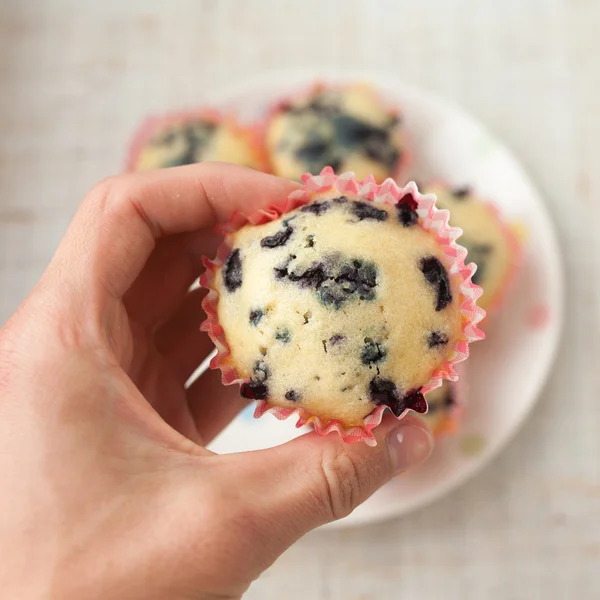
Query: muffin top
[[196, 140], [337, 307], [488, 240], [349, 129]]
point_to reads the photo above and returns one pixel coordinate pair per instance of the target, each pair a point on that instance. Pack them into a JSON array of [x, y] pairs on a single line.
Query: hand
[[109, 491]]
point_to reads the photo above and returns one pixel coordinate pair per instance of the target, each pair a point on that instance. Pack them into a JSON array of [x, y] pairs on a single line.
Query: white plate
[[505, 372]]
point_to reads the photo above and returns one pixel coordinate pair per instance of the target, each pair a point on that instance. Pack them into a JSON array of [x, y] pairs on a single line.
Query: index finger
[[117, 226]]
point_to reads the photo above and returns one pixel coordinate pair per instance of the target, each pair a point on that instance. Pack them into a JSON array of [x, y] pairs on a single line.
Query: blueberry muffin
[[172, 142], [490, 242], [319, 314], [349, 129], [441, 412]]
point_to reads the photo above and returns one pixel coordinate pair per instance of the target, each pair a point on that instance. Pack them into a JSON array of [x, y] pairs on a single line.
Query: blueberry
[[261, 371], [316, 208], [314, 151], [349, 271], [254, 390], [479, 254], [278, 239], [281, 271], [383, 152], [372, 352], [168, 138], [479, 274], [313, 277], [415, 401], [367, 293], [336, 164], [446, 401], [232, 271], [336, 339], [461, 191], [354, 278], [481, 249], [255, 316], [436, 339], [323, 108], [374, 141], [331, 294], [385, 391], [367, 210], [293, 395], [436, 274], [283, 335], [407, 211], [366, 281], [352, 132], [195, 137], [367, 274]]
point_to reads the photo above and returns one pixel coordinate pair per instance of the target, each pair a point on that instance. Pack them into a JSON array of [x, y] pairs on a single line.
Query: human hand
[[109, 491]]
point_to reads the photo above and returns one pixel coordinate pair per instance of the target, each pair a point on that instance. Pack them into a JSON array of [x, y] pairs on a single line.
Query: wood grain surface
[[76, 77]]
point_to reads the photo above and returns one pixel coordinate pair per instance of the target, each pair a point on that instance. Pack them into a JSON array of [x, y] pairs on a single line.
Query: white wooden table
[[76, 76]]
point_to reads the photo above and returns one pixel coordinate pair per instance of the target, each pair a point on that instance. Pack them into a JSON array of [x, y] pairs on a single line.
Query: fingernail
[[409, 445]]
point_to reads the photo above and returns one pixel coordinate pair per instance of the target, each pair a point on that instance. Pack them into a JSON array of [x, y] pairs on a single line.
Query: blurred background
[[77, 77]]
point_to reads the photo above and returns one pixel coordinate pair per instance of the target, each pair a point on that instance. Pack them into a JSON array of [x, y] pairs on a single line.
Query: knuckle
[[104, 191], [116, 193], [343, 481], [122, 194]]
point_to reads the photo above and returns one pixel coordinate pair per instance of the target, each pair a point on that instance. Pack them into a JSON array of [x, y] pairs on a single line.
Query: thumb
[[313, 479]]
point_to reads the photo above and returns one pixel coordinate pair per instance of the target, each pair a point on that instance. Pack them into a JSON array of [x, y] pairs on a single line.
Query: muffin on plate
[[348, 128], [491, 243], [312, 312], [196, 136]]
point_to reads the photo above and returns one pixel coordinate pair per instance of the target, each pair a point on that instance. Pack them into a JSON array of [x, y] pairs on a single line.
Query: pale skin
[[109, 491]]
